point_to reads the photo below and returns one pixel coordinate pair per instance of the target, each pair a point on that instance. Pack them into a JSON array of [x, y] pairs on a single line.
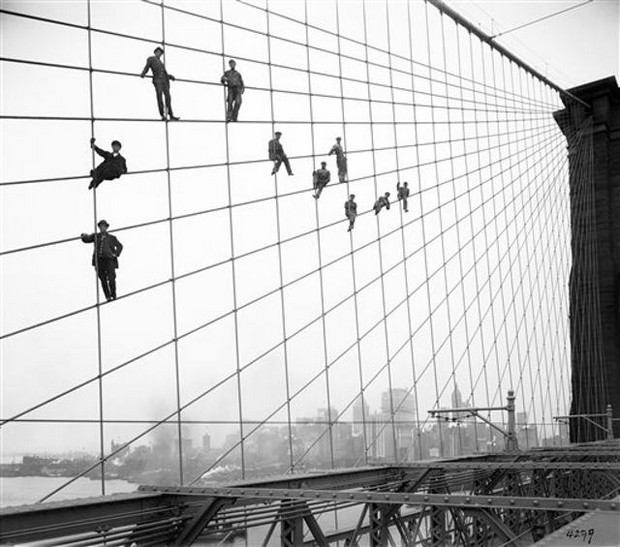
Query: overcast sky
[[502, 325]]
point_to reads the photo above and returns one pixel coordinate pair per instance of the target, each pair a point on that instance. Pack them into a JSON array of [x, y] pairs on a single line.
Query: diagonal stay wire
[[201, 395], [548, 129], [226, 314], [143, 289], [261, 160]]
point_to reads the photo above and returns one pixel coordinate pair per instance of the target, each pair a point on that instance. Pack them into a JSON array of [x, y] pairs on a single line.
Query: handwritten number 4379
[[580, 534]]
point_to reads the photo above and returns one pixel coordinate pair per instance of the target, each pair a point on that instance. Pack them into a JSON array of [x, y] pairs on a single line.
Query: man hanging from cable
[[234, 82], [350, 211], [105, 257], [403, 194], [341, 160], [161, 81], [320, 179], [277, 155], [112, 166], [382, 201]]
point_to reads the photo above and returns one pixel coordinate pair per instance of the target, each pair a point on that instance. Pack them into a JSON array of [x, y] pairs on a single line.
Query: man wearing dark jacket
[[161, 81], [382, 201], [277, 155], [321, 178], [403, 194], [112, 167], [233, 80], [105, 257], [350, 211]]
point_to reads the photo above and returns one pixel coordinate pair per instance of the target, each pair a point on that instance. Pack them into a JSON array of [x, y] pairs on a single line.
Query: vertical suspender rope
[[472, 242], [233, 262], [479, 157], [96, 255], [417, 162], [320, 254], [382, 281], [400, 211], [428, 290], [487, 132], [353, 273], [280, 271], [173, 279], [456, 213]]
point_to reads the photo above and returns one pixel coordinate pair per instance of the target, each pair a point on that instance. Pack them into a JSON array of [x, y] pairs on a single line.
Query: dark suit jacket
[[111, 164], [111, 247]]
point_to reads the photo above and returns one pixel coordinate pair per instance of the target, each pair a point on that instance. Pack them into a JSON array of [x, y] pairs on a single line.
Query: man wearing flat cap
[[321, 178], [382, 201], [105, 257], [161, 81], [277, 155], [350, 211], [112, 166], [341, 159], [234, 82]]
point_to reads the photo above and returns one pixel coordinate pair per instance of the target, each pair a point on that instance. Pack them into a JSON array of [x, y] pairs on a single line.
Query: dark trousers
[[318, 188], [107, 275], [283, 159], [351, 217], [162, 91], [101, 173], [233, 101], [341, 162], [405, 204]]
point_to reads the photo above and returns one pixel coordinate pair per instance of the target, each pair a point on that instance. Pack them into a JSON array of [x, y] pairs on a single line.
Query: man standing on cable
[[382, 201], [105, 257], [350, 211], [277, 155], [341, 160], [112, 166], [161, 81], [403, 194], [233, 80], [320, 178]]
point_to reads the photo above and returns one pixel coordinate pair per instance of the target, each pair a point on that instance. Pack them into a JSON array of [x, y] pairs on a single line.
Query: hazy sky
[[486, 309]]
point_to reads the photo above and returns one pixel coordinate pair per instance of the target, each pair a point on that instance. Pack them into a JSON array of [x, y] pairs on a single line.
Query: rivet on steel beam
[[536, 503], [368, 496], [301, 494], [489, 500], [585, 504], [512, 502], [612, 506], [560, 503], [467, 499], [317, 495], [351, 496], [387, 496], [426, 498], [242, 492], [334, 496], [229, 491], [446, 499], [406, 497]]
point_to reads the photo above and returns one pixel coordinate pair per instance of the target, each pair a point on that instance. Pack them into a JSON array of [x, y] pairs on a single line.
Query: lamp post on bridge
[[510, 433]]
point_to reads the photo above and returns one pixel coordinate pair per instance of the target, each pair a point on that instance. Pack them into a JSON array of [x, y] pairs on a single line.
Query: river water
[[23, 490]]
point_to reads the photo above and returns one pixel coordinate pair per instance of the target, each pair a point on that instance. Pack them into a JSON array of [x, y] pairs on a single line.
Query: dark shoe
[[273, 171], [290, 174], [164, 118], [91, 186], [174, 118]]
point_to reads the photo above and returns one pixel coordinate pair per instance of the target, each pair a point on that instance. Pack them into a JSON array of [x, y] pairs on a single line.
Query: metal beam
[[446, 500]]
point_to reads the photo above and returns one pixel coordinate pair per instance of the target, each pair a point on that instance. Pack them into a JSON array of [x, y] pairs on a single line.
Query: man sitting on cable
[[112, 166]]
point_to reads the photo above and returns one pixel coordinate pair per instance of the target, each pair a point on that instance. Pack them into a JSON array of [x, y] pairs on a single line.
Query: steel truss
[[510, 499]]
